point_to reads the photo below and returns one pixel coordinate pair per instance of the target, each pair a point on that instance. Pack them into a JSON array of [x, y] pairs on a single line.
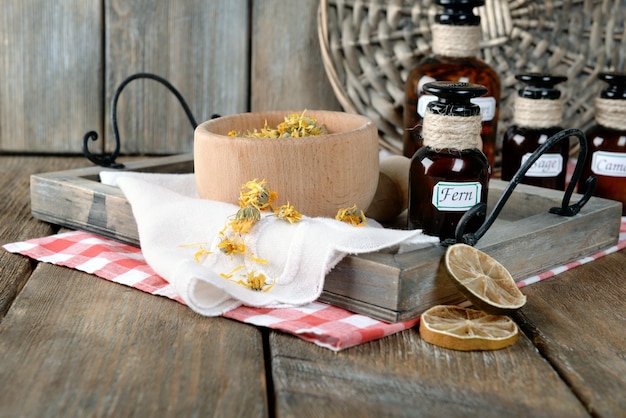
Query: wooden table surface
[[74, 345]]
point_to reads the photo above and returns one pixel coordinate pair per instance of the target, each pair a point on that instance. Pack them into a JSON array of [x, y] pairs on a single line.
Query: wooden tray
[[526, 238]]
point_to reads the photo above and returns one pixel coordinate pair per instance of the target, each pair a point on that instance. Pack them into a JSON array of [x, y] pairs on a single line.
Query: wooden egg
[[392, 193]]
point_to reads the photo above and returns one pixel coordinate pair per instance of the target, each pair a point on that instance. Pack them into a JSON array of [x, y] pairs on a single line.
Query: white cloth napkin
[[173, 223]]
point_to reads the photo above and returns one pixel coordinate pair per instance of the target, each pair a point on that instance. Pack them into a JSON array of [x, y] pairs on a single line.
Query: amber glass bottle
[[456, 34], [538, 113], [607, 142], [449, 174]]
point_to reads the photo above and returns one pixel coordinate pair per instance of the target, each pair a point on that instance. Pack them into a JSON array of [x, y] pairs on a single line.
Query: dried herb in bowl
[[294, 126]]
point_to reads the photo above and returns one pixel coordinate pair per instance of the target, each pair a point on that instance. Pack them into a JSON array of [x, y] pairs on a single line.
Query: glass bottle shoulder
[[519, 141], [439, 63], [450, 162], [602, 138], [435, 60], [470, 69], [532, 135]]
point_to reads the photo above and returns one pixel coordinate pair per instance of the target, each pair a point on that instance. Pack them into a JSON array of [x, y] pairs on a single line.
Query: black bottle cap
[[459, 12], [540, 86], [617, 86], [453, 98]]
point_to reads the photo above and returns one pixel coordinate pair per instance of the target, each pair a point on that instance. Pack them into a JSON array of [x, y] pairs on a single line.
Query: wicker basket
[[369, 47]]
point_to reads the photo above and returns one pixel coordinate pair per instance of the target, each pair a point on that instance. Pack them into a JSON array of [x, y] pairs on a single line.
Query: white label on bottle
[[423, 101], [548, 165], [487, 105], [609, 163], [424, 80], [456, 197]]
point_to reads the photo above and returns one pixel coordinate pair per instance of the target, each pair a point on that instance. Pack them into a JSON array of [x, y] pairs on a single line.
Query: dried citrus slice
[[467, 329], [484, 281]]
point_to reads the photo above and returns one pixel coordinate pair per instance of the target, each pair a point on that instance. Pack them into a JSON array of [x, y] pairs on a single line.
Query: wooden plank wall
[[50, 73], [61, 62]]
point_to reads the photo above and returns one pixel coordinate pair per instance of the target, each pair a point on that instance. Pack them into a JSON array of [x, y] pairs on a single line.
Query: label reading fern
[[548, 165], [456, 197], [609, 163]]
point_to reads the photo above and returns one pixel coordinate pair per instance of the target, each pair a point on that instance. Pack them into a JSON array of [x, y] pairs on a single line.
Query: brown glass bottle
[[458, 63], [446, 178], [538, 115], [606, 158]]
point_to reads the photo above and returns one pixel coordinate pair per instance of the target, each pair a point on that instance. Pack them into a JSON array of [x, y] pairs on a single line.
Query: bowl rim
[[202, 127]]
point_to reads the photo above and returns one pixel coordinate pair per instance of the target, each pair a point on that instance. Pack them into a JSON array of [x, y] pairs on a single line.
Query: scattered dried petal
[[232, 246], [352, 216], [256, 193], [288, 213]]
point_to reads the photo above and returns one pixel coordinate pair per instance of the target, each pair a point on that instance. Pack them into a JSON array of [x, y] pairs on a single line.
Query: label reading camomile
[[456, 197], [609, 163]]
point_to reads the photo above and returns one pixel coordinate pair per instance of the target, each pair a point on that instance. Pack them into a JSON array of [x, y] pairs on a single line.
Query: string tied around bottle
[[455, 41], [451, 132], [537, 113], [611, 113]]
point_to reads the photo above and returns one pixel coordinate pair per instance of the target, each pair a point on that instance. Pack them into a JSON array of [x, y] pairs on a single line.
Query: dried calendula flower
[[256, 282], [232, 246], [300, 126], [352, 216], [256, 193], [245, 219], [242, 226], [254, 197], [288, 213], [296, 125]]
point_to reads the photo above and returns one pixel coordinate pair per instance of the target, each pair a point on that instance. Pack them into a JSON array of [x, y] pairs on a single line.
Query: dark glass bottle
[[449, 174], [455, 46], [538, 113], [606, 158]]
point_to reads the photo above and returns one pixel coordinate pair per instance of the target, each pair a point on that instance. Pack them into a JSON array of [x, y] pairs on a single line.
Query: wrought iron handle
[[565, 210], [105, 160]]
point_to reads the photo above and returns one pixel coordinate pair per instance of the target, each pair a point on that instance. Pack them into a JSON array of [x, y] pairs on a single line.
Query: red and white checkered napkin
[[325, 325], [621, 244]]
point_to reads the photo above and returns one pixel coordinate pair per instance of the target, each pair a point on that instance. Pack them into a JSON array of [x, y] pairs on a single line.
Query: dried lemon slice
[[484, 281], [466, 329]]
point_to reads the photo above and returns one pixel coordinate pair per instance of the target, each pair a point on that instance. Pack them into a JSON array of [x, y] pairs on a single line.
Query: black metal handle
[[565, 210], [105, 160]]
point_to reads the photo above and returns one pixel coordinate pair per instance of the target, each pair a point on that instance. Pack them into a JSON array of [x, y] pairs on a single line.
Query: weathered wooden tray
[[526, 238]]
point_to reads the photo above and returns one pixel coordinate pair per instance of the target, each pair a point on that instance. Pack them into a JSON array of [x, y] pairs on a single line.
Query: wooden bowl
[[318, 175]]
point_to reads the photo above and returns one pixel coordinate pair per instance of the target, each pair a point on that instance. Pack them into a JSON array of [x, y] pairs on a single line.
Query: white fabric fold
[[173, 224]]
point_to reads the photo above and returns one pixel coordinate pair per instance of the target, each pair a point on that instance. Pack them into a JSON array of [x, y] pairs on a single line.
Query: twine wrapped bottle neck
[[537, 113], [451, 132], [611, 113], [455, 41]]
